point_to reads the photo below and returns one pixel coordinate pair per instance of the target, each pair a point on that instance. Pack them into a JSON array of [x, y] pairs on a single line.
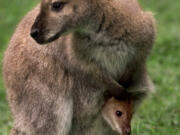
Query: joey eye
[[57, 6], [118, 113]]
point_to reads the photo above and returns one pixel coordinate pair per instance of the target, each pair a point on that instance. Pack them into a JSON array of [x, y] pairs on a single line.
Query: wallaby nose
[[34, 33], [128, 131]]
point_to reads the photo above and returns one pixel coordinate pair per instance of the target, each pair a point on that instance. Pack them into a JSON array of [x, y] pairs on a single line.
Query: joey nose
[[128, 131], [34, 33]]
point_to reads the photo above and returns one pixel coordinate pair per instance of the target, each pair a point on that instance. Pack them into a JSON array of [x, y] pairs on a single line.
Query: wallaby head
[[57, 17], [118, 114]]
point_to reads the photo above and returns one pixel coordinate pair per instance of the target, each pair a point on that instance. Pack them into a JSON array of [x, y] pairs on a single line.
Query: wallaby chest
[[114, 58]]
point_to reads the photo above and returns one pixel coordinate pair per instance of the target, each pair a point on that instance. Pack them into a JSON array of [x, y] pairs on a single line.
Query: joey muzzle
[[127, 131]]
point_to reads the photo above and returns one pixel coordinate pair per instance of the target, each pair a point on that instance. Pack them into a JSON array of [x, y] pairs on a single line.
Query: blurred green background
[[159, 114]]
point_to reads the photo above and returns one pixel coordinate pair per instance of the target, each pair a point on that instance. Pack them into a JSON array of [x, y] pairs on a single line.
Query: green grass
[[159, 114]]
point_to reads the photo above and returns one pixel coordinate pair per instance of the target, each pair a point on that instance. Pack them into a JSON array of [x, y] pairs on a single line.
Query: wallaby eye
[[57, 6], [119, 113]]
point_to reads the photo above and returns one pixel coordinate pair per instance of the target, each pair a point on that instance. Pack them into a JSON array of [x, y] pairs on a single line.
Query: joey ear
[[119, 93], [107, 95]]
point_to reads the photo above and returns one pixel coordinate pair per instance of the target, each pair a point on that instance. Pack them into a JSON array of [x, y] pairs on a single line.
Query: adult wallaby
[[89, 46]]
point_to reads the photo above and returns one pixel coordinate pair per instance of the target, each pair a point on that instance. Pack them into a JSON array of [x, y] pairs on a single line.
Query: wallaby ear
[[107, 95], [118, 92], [121, 95]]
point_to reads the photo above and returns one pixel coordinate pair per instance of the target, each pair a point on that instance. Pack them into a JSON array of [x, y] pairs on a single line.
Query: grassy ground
[[158, 115]]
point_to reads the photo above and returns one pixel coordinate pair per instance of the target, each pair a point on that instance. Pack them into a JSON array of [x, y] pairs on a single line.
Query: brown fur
[[57, 89]]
